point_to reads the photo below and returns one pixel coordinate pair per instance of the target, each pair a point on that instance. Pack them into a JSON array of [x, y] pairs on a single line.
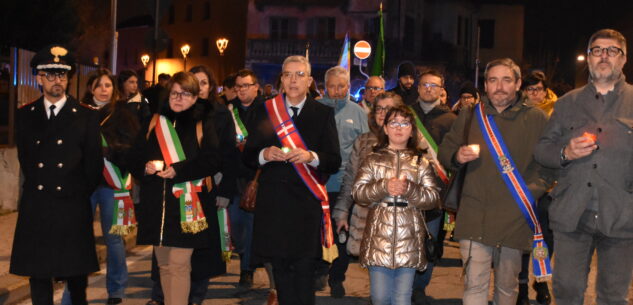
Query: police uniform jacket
[[61, 160]]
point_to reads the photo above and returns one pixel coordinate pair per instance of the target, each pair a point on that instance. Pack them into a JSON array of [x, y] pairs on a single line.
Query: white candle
[[475, 148], [285, 149], [158, 165]]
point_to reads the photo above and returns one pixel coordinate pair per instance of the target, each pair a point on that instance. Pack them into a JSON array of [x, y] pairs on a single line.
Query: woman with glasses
[[397, 183], [362, 147], [172, 157]]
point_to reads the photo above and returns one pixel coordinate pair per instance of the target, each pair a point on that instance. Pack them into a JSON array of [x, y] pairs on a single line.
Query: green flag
[[378, 66]]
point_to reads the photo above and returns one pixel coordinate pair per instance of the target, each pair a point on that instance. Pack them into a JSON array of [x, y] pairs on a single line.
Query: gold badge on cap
[[57, 52]]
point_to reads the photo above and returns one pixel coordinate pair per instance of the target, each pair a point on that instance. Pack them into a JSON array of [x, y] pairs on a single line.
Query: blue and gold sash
[[519, 190]]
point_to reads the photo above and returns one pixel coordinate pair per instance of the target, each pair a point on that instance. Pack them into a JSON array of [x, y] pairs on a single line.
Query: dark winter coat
[[288, 216], [62, 163]]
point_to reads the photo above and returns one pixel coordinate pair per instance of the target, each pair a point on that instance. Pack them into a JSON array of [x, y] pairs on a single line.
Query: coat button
[[599, 129], [40, 165], [40, 187], [595, 166], [59, 188], [60, 165], [589, 184], [59, 142]]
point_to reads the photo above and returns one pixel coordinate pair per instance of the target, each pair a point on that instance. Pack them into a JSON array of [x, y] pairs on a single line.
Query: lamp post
[[222, 43], [185, 50]]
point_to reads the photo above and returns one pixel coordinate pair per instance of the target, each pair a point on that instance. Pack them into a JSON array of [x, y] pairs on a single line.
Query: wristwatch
[[563, 158]]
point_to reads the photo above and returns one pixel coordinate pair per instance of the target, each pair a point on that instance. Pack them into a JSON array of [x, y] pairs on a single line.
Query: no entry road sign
[[362, 49]]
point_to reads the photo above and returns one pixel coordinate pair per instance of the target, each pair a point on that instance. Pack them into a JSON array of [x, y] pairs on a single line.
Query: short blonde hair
[[299, 59]]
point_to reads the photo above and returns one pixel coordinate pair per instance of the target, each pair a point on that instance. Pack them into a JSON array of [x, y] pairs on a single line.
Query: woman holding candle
[[397, 183], [178, 214]]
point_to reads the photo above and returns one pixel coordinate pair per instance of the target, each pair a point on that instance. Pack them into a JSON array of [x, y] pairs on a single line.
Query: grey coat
[[607, 172]]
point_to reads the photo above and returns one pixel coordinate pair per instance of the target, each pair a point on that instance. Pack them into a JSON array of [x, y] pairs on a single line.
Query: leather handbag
[[452, 193], [249, 198], [432, 252]]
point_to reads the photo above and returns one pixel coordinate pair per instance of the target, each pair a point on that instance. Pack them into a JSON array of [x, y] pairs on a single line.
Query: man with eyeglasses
[[589, 141], [437, 119], [491, 224], [242, 110], [406, 80], [537, 93], [59, 150], [292, 207], [374, 86], [351, 121]]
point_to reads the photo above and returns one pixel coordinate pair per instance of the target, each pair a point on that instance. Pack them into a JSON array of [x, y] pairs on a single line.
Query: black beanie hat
[[469, 88], [406, 68]]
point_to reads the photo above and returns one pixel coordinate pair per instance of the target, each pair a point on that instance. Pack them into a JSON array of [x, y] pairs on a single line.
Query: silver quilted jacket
[[394, 235]]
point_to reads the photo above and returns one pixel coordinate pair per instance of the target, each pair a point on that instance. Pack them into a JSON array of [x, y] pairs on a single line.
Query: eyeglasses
[[243, 86], [612, 51], [467, 97], [534, 89], [382, 109], [298, 74], [395, 124], [176, 94], [374, 88], [430, 86], [50, 76]]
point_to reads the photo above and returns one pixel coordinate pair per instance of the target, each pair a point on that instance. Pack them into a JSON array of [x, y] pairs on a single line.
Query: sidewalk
[[15, 288]]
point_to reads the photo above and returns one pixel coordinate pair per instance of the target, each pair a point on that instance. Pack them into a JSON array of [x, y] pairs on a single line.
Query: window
[[172, 14], [170, 48], [283, 28], [487, 33], [189, 13], [206, 11], [321, 28], [372, 27], [205, 47], [409, 34]]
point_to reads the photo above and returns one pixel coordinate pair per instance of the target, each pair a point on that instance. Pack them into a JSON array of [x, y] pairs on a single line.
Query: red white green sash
[[192, 218], [240, 130], [289, 137], [225, 234], [124, 219], [519, 190], [432, 147]]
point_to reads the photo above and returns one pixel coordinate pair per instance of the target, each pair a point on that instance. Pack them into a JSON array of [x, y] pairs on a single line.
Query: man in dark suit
[[287, 227], [60, 155]]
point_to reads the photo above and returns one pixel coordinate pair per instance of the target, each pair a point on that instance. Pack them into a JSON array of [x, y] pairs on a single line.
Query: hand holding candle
[[581, 146], [159, 165], [475, 148], [590, 136]]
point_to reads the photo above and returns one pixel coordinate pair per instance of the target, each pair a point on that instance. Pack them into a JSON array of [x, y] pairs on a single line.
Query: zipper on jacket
[[395, 216]]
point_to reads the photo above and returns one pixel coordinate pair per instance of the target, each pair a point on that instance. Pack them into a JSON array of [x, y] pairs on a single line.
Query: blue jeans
[[422, 279], [241, 232], [116, 276], [391, 286]]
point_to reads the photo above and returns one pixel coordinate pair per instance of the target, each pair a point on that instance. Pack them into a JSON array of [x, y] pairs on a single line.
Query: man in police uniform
[[60, 156]]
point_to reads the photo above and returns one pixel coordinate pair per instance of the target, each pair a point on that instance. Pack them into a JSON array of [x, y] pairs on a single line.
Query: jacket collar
[[337, 104], [509, 112]]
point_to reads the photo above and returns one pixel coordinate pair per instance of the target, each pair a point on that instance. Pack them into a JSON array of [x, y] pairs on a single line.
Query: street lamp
[[145, 60], [222, 43], [580, 58], [185, 50]]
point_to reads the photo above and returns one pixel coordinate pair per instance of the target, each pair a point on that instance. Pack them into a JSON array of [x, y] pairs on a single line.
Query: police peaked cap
[[53, 57]]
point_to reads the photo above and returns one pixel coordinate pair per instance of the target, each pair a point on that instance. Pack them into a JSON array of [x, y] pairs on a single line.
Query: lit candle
[[475, 148], [158, 165], [285, 149], [590, 136]]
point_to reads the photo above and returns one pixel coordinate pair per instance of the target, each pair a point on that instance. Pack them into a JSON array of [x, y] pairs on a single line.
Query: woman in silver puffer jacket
[[397, 183], [363, 146]]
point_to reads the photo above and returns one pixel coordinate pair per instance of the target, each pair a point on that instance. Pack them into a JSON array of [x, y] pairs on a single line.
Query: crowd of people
[[309, 181]]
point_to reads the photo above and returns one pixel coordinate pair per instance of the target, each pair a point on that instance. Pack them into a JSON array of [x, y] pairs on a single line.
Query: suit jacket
[[288, 216], [62, 163], [607, 172]]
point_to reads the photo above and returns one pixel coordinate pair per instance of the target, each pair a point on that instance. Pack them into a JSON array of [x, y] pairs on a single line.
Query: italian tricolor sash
[[123, 220], [192, 218], [289, 137], [449, 219], [519, 190], [225, 234], [432, 147], [240, 130]]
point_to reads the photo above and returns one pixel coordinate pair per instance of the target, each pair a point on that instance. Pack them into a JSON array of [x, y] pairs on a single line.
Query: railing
[[277, 50]]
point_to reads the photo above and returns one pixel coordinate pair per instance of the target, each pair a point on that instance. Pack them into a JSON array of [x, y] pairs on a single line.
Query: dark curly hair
[[414, 141]]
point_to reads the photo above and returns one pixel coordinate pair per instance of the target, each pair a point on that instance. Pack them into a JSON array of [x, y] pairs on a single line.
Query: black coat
[[438, 121], [247, 115], [288, 216], [201, 161], [409, 96], [62, 163]]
